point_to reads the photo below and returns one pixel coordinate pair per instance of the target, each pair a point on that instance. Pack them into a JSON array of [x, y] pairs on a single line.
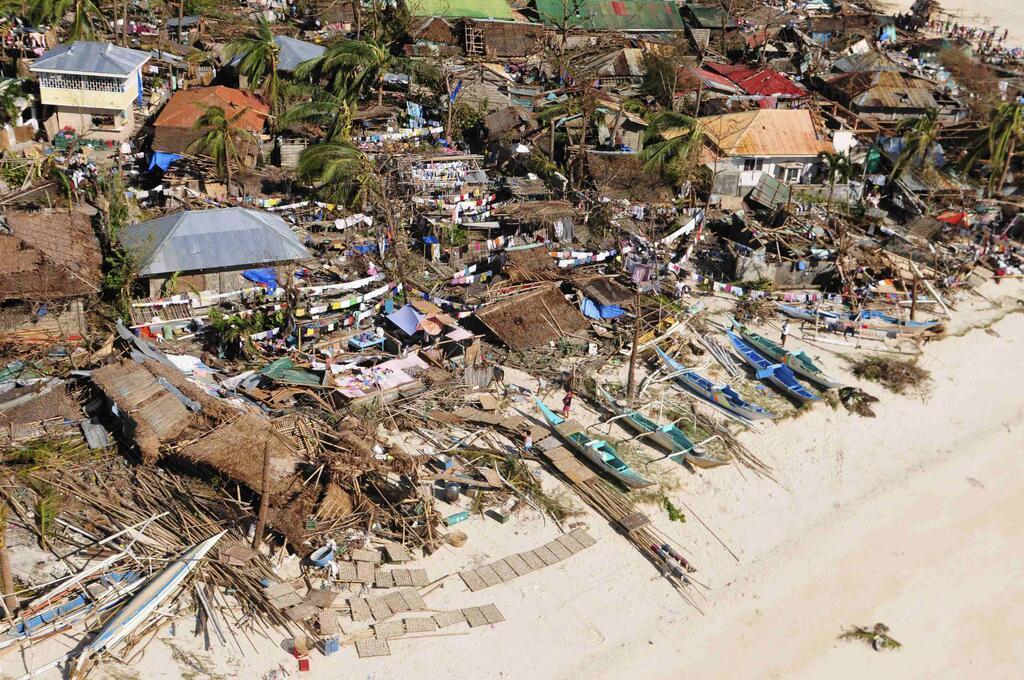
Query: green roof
[[458, 9], [612, 15]]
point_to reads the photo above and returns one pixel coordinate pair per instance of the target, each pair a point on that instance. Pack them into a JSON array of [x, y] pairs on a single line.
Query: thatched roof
[[532, 264], [237, 450], [47, 255], [534, 319]]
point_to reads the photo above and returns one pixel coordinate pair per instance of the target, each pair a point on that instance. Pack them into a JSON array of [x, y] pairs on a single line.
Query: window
[[752, 164], [792, 174], [99, 121], [64, 81]]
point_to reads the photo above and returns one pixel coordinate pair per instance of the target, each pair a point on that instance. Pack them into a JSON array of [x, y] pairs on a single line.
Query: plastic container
[[456, 518]]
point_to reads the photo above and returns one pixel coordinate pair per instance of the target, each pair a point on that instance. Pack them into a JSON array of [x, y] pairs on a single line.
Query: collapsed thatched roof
[[534, 319], [46, 255]]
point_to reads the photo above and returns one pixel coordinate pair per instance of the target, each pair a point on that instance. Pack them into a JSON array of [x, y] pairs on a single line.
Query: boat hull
[[687, 380]]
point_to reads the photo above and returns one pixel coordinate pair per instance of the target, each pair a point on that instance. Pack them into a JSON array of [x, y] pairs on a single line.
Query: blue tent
[[407, 319]]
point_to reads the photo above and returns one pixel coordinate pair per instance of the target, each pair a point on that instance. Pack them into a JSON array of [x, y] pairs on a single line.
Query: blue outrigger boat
[[723, 397], [779, 375], [668, 437], [873, 319], [798, 362], [597, 451]]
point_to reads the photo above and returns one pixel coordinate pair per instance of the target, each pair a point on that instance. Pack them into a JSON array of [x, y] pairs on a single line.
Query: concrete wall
[[747, 179]]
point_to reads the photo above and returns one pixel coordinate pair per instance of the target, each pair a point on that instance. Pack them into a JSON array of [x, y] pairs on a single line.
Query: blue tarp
[[407, 319], [267, 277], [163, 160], [593, 310]]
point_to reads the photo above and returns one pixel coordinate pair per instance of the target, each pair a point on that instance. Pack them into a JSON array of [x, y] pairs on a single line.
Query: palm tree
[[12, 98], [998, 142], [580, 103], [919, 135], [259, 61], [86, 15], [331, 112], [352, 65], [222, 140], [339, 172], [672, 144], [839, 170]]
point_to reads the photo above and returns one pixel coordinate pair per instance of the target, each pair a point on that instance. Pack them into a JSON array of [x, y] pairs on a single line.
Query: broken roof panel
[[48, 255], [612, 15], [197, 240], [758, 81], [885, 89]]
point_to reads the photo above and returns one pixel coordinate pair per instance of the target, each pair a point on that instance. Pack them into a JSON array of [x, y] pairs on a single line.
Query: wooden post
[[913, 299], [261, 517], [631, 383], [6, 579]]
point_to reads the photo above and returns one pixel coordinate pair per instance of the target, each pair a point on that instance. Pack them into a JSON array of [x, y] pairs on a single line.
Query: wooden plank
[[634, 521]]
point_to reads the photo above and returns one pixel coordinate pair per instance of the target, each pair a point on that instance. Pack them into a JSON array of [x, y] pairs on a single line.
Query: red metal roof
[[758, 81], [186, 106]]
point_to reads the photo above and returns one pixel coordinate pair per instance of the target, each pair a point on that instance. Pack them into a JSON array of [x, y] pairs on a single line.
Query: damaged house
[[208, 250], [533, 319], [50, 266], [891, 95], [174, 129], [783, 143]]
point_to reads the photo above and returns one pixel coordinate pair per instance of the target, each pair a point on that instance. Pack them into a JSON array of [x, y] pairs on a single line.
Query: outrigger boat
[[668, 437], [872, 319], [798, 362], [723, 397], [138, 610], [778, 374], [597, 451]]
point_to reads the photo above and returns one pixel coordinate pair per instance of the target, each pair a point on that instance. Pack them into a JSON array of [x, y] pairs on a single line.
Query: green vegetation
[[897, 375], [222, 140], [877, 637]]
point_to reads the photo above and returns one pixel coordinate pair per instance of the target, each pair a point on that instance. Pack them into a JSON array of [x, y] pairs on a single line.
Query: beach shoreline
[[906, 518]]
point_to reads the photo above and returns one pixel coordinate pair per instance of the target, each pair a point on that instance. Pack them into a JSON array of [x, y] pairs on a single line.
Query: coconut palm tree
[[339, 172], [259, 61], [998, 143], [839, 170], [918, 137], [12, 98], [87, 16], [331, 112], [355, 65], [223, 140], [672, 144]]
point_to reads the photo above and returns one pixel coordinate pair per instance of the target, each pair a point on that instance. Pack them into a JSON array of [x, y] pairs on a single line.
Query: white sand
[[911, 518], [984, 14]]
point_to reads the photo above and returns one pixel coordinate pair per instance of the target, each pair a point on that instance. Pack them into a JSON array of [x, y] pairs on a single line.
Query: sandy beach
[[910, 518], [1007, 14]]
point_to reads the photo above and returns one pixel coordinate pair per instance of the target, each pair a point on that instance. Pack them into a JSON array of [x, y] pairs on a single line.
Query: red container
[[304, 664]]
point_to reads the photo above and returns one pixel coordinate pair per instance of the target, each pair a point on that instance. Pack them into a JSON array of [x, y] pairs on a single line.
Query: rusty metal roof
[[765, 132], [885, 89]]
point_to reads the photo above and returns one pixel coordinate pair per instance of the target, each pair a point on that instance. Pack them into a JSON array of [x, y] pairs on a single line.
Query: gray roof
[[185, 21], [292, 53], [91, 58], [196, 240]]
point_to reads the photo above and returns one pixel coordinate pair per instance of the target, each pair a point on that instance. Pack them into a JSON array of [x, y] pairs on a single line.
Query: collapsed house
[[49, 269], [533, 319], [175, 128]]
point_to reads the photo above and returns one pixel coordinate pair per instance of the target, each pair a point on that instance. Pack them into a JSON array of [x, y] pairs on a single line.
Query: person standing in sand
[[785, 332], [567, 403]]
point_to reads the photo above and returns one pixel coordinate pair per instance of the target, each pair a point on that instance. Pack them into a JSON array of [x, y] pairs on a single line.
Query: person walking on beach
[[567, 403], [785, 332]]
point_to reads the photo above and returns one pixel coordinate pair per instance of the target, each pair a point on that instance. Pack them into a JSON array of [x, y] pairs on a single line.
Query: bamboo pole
[[261, 518]]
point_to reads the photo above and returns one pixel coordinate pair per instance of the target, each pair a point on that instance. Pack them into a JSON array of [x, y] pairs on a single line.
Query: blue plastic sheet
[[163, 160], [407, 319], [266, 277], [593, 310]]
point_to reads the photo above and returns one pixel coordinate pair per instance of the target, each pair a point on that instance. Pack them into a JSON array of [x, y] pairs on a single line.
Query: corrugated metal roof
[[291, 53], [458, 9], [196, 240], [91, 58], [613, 15], [765, 132], [885, 89], [185, 107]]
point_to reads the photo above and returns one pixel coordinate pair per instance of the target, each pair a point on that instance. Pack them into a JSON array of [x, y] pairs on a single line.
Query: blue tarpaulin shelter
[[407, 319], [163, 160], [266, 277], [594, 310]]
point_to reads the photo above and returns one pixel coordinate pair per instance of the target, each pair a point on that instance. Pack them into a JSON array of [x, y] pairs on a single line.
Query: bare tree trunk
[[261, 517], [181, 18], [124, 29]]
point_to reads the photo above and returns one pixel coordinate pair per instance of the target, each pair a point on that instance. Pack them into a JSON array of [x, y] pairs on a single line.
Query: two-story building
[[91, 87]]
